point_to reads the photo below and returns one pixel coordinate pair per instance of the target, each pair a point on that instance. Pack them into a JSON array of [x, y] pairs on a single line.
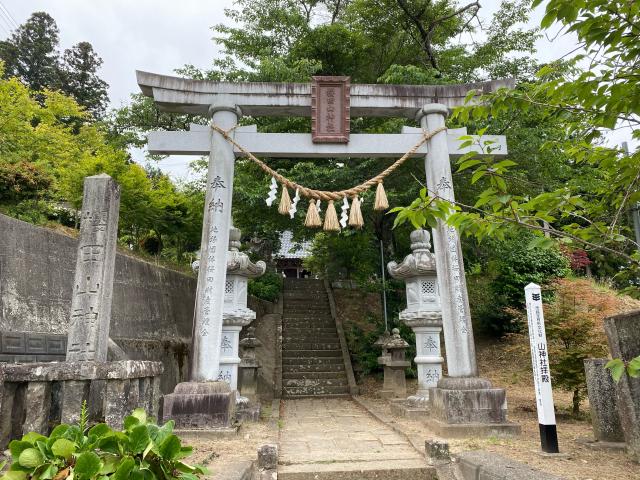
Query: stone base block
[[196, 434], [486, 405], [392, 394], [248, 413], [601, 445], [402, 408], [200, 405], [465, 430]]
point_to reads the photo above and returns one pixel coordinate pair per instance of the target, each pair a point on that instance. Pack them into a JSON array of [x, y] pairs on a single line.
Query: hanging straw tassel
[[312, 220], [381, 198], [355, 215], [285, 201], [331, 219]]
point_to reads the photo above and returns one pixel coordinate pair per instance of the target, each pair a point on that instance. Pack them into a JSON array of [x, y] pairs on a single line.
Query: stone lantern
[[395, 384], [423, 313], [236, 314], [249, 365]]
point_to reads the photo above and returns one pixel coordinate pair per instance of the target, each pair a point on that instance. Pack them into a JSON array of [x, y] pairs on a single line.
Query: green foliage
[[267, 287], [350, 255], [586, 205], [573, 336], [44, 159], [496, 284], [31, 55], [619, 367], [142, 451]]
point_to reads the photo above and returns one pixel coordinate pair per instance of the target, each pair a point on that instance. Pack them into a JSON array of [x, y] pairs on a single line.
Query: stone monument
[[88, 337], [623, 336], [603, 404], [249, 365], [395, 364], [36, 395]]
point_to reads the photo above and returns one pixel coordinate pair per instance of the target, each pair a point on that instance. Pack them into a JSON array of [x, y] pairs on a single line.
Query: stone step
[[311, 337], [315, 382], [307, 325], [301, 362], [322, 367], [290, 392], [295, 346], [307, 316], [311, 353], [395, 469], [310, 329], [289, 375]]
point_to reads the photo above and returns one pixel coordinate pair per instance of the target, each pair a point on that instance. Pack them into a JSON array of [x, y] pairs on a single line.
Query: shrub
[[512, 266], [142, 451], [267, 287], [575, 332]]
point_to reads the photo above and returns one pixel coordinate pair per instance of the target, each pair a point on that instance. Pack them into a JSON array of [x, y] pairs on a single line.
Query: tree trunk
[[576, 402]]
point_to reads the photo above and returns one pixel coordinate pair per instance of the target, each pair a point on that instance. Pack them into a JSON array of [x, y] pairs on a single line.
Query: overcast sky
[[161, 35]]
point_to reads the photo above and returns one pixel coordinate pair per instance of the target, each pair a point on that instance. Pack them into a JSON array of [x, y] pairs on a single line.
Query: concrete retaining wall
[[152, 312]]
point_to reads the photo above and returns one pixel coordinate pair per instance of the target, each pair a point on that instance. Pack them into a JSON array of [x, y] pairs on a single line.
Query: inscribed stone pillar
[[623, 336], [88, 336], [458, 333], [236, 314], [207, 328], [424, 312]]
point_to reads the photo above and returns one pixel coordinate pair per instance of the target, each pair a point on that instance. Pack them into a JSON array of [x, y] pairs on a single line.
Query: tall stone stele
[[423, 313], [88, 336], [236, 314]]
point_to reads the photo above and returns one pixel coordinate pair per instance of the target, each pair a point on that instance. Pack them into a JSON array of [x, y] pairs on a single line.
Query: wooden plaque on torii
[[330, 109]]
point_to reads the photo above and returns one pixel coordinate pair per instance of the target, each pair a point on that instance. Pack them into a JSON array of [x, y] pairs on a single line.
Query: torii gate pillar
[[456, 318], [205, 401]]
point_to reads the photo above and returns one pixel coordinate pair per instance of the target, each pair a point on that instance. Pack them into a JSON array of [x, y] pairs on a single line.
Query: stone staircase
[[312, 363]]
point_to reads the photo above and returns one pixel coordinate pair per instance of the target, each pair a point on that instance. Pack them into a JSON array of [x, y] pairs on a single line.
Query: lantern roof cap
[[418, 263]]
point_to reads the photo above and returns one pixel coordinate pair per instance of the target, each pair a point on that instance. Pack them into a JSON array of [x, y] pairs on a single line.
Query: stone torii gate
[[224, 103]]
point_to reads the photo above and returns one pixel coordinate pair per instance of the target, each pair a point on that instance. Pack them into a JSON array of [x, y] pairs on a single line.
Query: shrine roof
[[292, 249]]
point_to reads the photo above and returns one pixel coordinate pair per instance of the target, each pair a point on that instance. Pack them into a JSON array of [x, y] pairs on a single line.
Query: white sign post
[[541, 371]]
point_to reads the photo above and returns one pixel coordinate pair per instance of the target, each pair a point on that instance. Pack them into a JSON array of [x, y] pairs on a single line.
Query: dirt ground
[[215, 452], [504, 366]]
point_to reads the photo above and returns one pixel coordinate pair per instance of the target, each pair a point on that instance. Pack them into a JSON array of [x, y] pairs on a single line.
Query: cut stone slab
[[374, 470], [602, 402], [200, 405], [337, 439], [482, 465], [623, 336]]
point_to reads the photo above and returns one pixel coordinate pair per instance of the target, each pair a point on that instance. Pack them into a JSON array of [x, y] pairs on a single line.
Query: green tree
[[80, 79], [31, 52], [589, 209]]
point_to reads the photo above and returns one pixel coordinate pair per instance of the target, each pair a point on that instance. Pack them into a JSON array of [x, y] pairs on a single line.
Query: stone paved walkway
[[330, 435]]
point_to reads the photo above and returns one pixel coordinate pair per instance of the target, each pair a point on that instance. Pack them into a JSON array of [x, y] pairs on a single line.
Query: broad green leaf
[[616, 368], [33, 437], [139, 439], [130, 422], [633, 368], [170, 447], [49, 472], [16, 447], [14, 475], [124, 469], [87, 465], [63, 448], [100, 430], [140, 414], [30, 458]]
